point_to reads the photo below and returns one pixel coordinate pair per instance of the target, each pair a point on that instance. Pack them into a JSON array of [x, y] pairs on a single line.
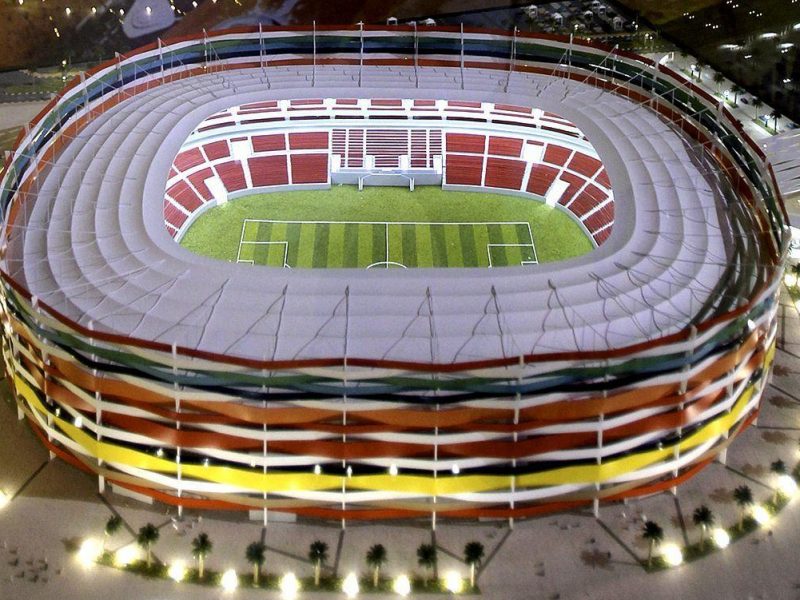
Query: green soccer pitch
[[385, 227]]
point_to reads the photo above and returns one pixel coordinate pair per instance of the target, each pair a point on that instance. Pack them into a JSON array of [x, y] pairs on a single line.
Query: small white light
[[790, 279], [4, 499], [672, 555], [453, 582], [455, 469], [349, 471], [160, 452], [721, 538], [20, 2], [393, 470], [68, 10], [89, 552], [760, 514], [787, 485], [126, 555], [317, 470], [177, 570], [148, 10], [78, 422], [206, 462], [94, 10], [121, 12], [350, 585], [229, 580], [58, 412], [194, 3], [289, 586], [402, 585]]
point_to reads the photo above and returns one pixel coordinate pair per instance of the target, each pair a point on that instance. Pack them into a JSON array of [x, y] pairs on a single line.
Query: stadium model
[[388, 392]]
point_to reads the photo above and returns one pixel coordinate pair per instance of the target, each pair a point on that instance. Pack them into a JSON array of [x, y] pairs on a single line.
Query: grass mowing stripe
[[335, 245], [481, 237], [453, 246], [364, 246], [378, 244], [293, 238], [321, 245], [305, 250], [410, 250], [438, 245], [424, 252], [350, 257], [466, 234], [396, 253], [261, 255], [498, 252]]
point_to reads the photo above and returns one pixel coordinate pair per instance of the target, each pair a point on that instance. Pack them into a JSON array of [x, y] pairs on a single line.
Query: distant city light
[[68, 10]]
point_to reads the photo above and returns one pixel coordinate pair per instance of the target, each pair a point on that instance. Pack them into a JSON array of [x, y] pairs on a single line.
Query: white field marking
[[280, 242], [523, 262], [386, 225]]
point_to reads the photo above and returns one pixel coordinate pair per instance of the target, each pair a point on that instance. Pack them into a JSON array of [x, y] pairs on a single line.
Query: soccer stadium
[[380, 272]]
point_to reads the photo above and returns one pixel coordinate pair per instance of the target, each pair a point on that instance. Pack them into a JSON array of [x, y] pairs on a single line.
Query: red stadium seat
[[504, 173], [268, 170], [464, 170], [309, 168]]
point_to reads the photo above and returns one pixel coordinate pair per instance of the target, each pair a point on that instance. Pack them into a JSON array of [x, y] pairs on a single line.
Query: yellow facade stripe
[[405, 484]]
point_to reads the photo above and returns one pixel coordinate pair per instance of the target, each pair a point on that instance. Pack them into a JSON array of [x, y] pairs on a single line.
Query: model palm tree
[[318, 555], [652, 532], [201, 547], [743, 496], [112, 526], [147, 536], [778, 467], [757, 104], [736, 90], [775, 115], [473, 555], [376, 558], [718, 79], [704, 519], [426, 558], [255, 556], [700, 66]]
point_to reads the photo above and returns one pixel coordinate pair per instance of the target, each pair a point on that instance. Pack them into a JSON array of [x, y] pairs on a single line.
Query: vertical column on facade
[[98, 414], [416, 56], [161, 59], [684, 386], [515, 439], [344, 442], [511, 59], [177, 397], [45, 358], [435, 466], [461, 62], [599, 457], [361, 52], [313, 53], [265, 405]]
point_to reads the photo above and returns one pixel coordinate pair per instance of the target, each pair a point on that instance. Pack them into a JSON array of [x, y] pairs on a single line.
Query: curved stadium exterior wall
[[331, 433]]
